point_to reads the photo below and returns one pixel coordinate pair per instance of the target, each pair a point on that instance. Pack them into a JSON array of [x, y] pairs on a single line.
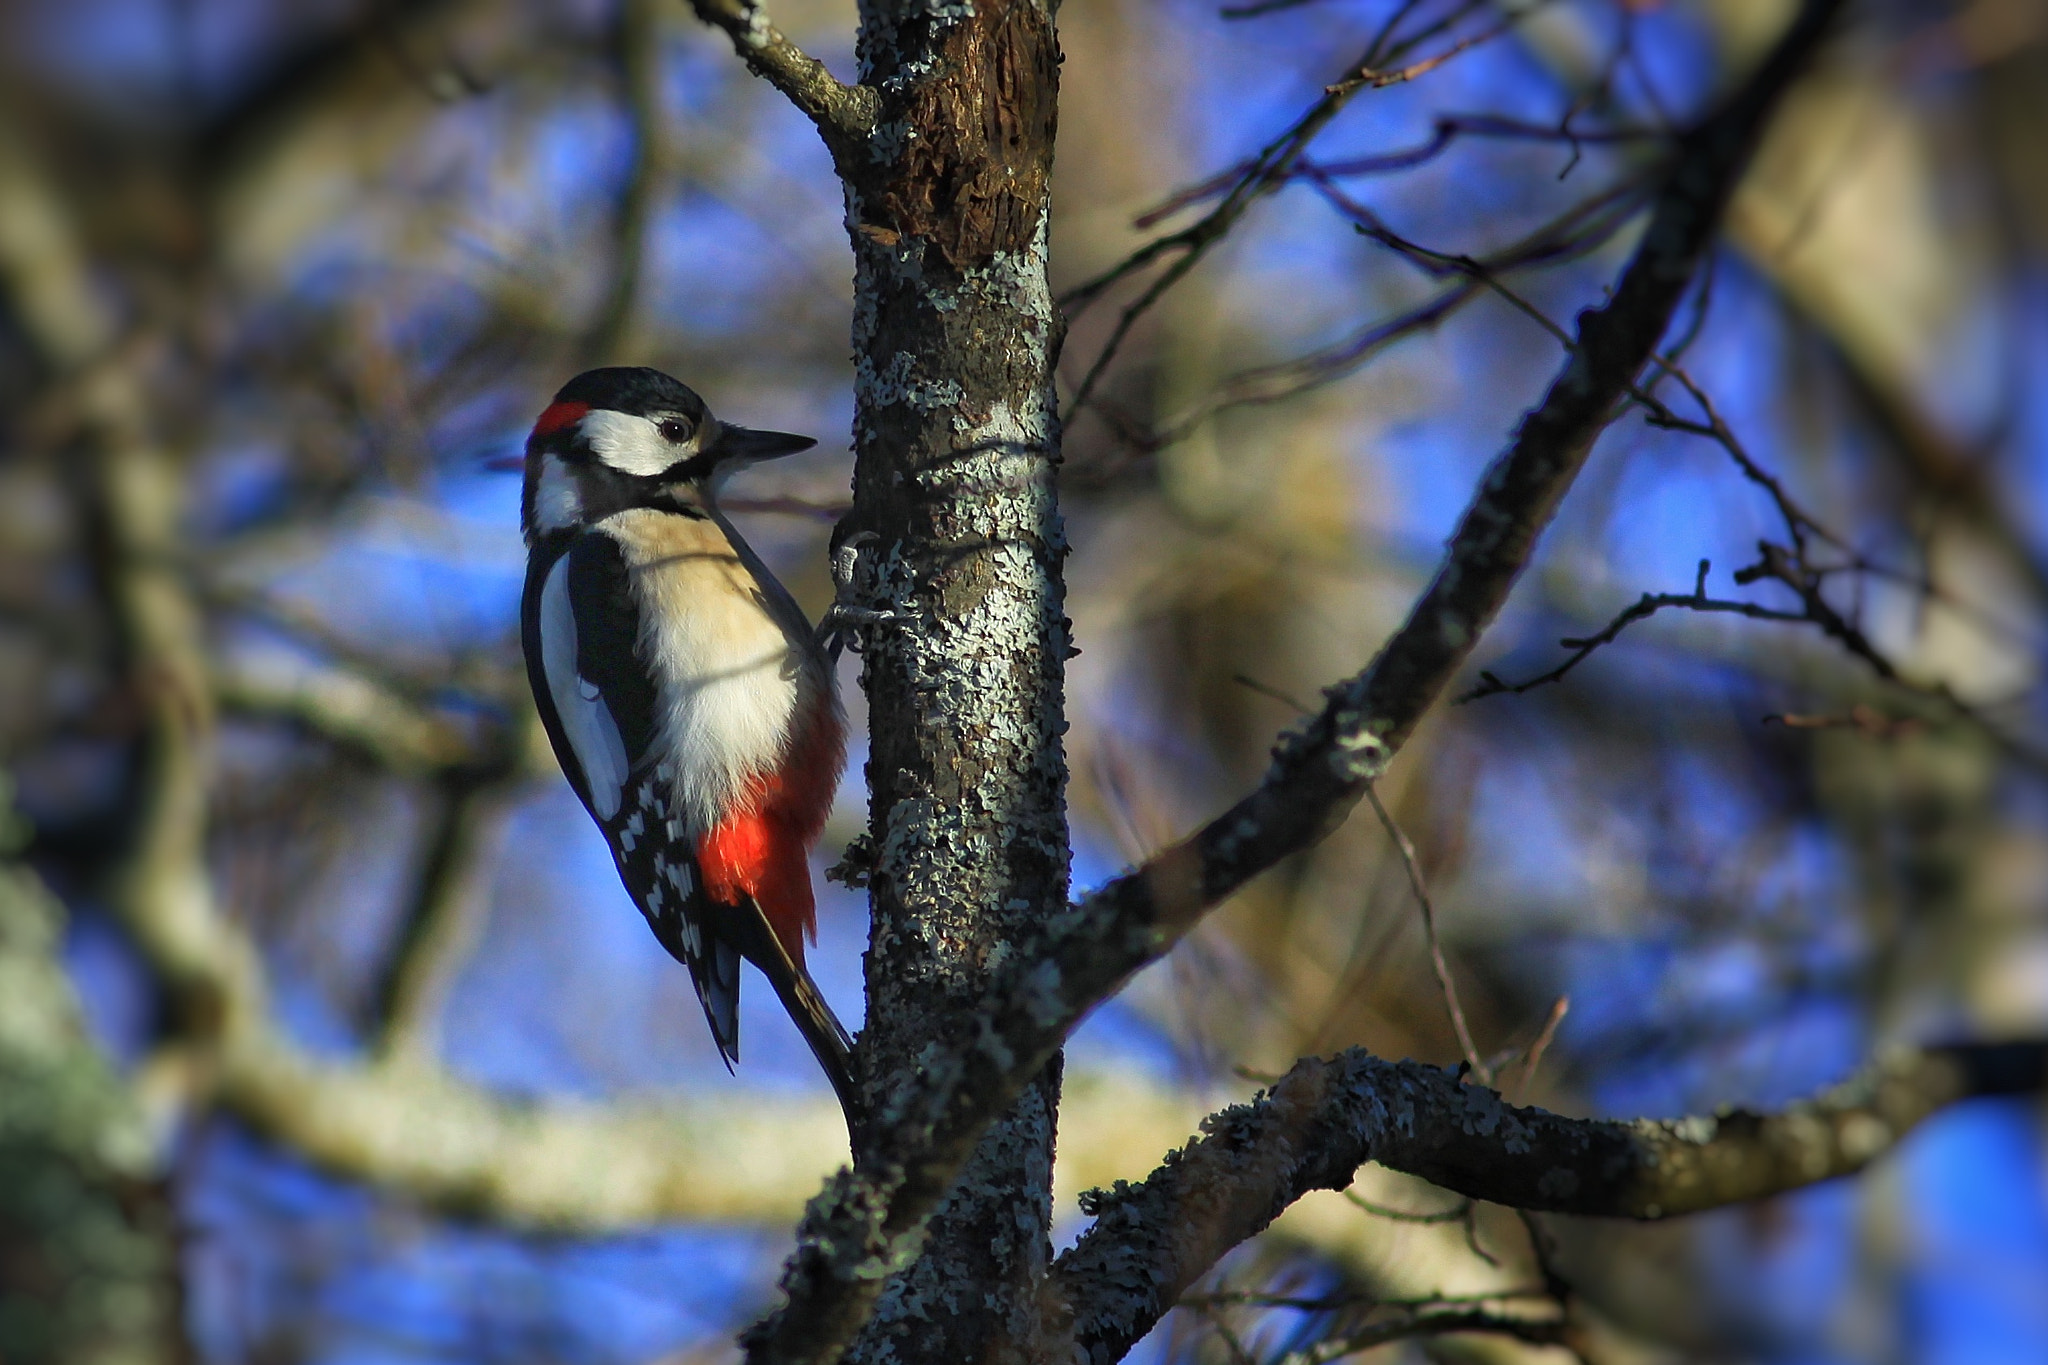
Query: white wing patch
[[592, 733], [556, 504]]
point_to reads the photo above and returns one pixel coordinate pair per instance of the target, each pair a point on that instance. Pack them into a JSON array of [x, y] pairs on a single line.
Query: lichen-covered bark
[[957, 437], [1326, 1117]]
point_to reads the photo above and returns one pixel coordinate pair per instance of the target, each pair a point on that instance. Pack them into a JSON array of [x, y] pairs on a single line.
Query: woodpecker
[[691, 704]]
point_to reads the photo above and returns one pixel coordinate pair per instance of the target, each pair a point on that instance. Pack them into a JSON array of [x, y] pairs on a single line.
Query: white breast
[[733, 667]]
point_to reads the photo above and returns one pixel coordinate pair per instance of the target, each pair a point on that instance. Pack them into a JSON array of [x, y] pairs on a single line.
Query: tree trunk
[[956, 435]]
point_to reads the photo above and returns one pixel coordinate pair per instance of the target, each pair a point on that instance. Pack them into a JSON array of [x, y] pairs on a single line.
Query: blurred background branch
[[87, 1230]]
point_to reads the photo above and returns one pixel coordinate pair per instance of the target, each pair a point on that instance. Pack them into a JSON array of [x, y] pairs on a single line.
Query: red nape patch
[[557, 416]]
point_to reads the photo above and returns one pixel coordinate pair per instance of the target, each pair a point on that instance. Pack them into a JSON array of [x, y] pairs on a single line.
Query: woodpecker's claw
[[846, 559], [852, 580], [843, 622]]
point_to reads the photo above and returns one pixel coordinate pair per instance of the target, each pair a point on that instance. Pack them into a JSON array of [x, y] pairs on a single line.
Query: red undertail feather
[[763, 848]]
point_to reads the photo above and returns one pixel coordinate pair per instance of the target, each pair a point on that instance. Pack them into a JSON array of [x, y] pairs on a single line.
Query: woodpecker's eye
[[675, 430]]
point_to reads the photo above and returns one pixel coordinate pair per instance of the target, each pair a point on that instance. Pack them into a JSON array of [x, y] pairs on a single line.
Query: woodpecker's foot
[[842, 624], [853, 579]]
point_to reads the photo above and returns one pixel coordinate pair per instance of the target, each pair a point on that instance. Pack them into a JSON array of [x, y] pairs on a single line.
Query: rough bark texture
[[1325, 1118], [956, 437]]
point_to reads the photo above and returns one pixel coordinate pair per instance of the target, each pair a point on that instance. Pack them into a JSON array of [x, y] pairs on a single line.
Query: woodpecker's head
[[632, 437]]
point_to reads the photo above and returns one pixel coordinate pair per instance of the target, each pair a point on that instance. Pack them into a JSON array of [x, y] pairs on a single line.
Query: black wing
[[598, 703]]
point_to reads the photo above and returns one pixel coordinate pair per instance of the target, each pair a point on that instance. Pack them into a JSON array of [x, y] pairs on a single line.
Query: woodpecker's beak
[[744, 445]]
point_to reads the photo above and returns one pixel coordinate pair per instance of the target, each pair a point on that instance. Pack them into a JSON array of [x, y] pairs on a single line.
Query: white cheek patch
[[556, 504], [587, 722], [631, 445]]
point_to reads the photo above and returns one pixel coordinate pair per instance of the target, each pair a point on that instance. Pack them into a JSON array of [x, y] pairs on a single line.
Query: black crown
[[634, 389]]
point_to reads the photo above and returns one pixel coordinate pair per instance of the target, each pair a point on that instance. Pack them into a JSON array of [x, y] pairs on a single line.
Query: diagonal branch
[[845, 114], [364, 714], [1410, 864], [636, 46], [1326, 1118], [865, 1225], [443, 917], [1319, 772]]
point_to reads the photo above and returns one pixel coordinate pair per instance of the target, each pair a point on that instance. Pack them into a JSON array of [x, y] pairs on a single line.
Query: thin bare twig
[[440, 924], [1456, 1213], [1380, 80], [1644, 607], [1246, 680], [1436, 948], [1800, 524], [637, 53], [1264, 7], [1269, 170], [1337, 1303], [1544, 1038], [1580, 229], [1445, 133], [1789, 566]]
